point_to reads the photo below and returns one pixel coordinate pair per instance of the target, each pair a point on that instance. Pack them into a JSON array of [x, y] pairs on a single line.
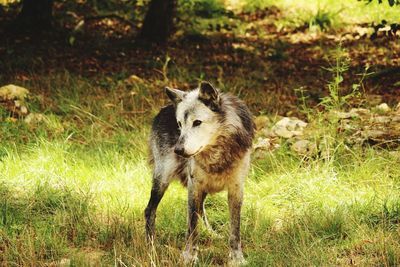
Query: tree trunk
[[158, 23], [36, 15]]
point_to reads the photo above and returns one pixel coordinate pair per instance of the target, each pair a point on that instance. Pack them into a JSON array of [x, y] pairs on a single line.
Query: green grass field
[[73, 190]]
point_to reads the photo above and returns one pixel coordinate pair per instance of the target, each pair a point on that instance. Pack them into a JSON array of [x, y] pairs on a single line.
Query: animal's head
[[198, 117]]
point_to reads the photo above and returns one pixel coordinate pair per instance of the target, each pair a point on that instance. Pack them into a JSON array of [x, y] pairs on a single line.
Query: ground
[[74, 185]]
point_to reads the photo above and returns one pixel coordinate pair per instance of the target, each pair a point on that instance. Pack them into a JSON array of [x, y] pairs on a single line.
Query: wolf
[[203, 139]]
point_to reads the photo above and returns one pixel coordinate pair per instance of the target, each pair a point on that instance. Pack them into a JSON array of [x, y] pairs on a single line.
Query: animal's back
[[164, 132]]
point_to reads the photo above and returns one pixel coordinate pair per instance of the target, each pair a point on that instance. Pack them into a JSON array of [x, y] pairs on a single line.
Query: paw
[[189, 257], [236, 258]]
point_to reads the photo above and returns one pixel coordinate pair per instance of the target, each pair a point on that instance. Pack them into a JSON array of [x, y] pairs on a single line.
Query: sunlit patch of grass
[[351, 11], [324, 13], [294, 211]]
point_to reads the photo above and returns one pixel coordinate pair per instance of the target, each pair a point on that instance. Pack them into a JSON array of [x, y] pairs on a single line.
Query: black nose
[[179, 150]]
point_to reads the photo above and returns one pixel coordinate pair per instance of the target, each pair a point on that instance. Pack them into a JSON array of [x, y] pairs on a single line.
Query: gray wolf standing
[[204, 139]]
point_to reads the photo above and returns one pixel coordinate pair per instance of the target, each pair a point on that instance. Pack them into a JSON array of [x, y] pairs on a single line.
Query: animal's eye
[[196, 123], [179, 124]]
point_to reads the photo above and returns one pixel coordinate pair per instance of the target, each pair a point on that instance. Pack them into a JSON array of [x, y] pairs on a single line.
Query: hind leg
[[165, 168], [157, 192]]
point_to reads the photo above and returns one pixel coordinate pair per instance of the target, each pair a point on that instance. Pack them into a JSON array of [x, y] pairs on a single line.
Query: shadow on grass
[[48, 225]]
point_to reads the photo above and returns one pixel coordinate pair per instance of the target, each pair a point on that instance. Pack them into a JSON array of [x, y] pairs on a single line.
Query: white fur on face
[[196, 138]]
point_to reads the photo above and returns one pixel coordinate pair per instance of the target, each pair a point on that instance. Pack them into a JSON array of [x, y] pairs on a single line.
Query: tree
[[158, 23], [36, 15]]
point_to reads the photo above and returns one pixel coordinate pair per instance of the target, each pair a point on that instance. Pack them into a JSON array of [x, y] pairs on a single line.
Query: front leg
[[195, 200], [235, 200]]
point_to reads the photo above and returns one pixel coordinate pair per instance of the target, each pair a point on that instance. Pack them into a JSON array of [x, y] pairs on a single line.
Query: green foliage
[[196, 17], [254, 5], [336, 100], [322, 19], [390, 2], [202, 8], [338, 96], [6, 4]]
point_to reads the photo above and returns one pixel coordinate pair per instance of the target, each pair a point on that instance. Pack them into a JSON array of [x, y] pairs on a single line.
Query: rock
[[374, 100], [345, 115], [381, 119], [289, 127], [373, 133], [297, 133], [261, 121], [261, 146], [360, 111], [383, 108], [17, 103], [396, 118], [304, 147], [24, 110], [12, 99], [13, 92], [397, 109], [267, 132], [379, 126], [34, 118], [297, 124], [347, 125], [283, 132], [262, 143], [265, 145]]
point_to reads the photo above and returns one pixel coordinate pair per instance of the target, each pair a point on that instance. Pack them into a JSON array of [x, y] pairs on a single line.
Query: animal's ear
[[209, 95], [175, 95]]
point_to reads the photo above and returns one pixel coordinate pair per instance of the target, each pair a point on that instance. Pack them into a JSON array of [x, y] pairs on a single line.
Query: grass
[[73, 190], [348, 11], [321, 15]]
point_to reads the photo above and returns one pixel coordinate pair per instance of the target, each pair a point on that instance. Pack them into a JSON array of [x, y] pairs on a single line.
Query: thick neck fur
[[232, 140]]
